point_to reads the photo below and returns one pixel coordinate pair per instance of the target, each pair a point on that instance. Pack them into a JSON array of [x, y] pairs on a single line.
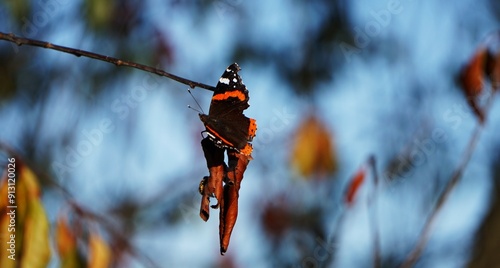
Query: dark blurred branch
[[452, 183], [77, 52], [374, 212], [487, 238], [371, 203]]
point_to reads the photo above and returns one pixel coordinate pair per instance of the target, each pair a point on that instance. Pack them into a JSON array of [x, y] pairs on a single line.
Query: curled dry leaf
[[213, 186], [354, 186], [229, 208], [223, 183], [312, 152]]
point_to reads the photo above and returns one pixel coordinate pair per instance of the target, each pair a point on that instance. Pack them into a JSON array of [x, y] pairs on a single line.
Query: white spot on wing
[[235, 80], [224, 80]]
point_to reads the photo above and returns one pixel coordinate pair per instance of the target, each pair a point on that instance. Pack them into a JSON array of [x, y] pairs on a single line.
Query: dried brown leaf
[[214, 184], [229, 208]]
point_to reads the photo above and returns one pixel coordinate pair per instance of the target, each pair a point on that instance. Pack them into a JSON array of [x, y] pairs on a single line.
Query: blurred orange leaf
[[66, 245], [354, 186], [312, 152], [99, 252]]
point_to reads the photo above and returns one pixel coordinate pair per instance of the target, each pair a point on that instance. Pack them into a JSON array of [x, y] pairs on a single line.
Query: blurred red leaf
[[277, 218], [354, 186], [472, 80], [164, 49]]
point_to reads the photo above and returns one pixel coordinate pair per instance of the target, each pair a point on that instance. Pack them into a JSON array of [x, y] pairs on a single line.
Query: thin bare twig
[[373, 214], [118, 62], [371, 202], [452, 183]]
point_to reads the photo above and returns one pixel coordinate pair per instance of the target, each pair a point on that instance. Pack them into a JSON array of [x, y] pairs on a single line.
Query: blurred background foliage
[[330, 82]]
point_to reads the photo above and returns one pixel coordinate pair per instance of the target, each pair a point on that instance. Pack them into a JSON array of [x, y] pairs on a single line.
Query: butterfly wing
[[225, 121]]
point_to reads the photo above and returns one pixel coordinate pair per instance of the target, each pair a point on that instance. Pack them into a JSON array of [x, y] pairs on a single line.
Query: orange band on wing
[[230, 94], [218, 136]]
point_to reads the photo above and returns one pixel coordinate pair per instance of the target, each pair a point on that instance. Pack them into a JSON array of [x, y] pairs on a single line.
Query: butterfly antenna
[[199, 106]]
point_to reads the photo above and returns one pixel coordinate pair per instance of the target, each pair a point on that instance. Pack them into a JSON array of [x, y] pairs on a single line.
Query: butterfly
[[225, 123]]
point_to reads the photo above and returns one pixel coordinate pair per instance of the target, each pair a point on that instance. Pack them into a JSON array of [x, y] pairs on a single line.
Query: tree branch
[[452, 183], [77, 52]]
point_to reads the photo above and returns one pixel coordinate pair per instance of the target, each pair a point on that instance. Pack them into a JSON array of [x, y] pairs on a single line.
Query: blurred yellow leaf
[[3, 191], [99, 13], [312, 152], [99, 252], [66, 245], [19, 9], [30, 182], [36, 247], [10, 224], [25, 223], [26, 177], [27, 189], [5, 262]]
